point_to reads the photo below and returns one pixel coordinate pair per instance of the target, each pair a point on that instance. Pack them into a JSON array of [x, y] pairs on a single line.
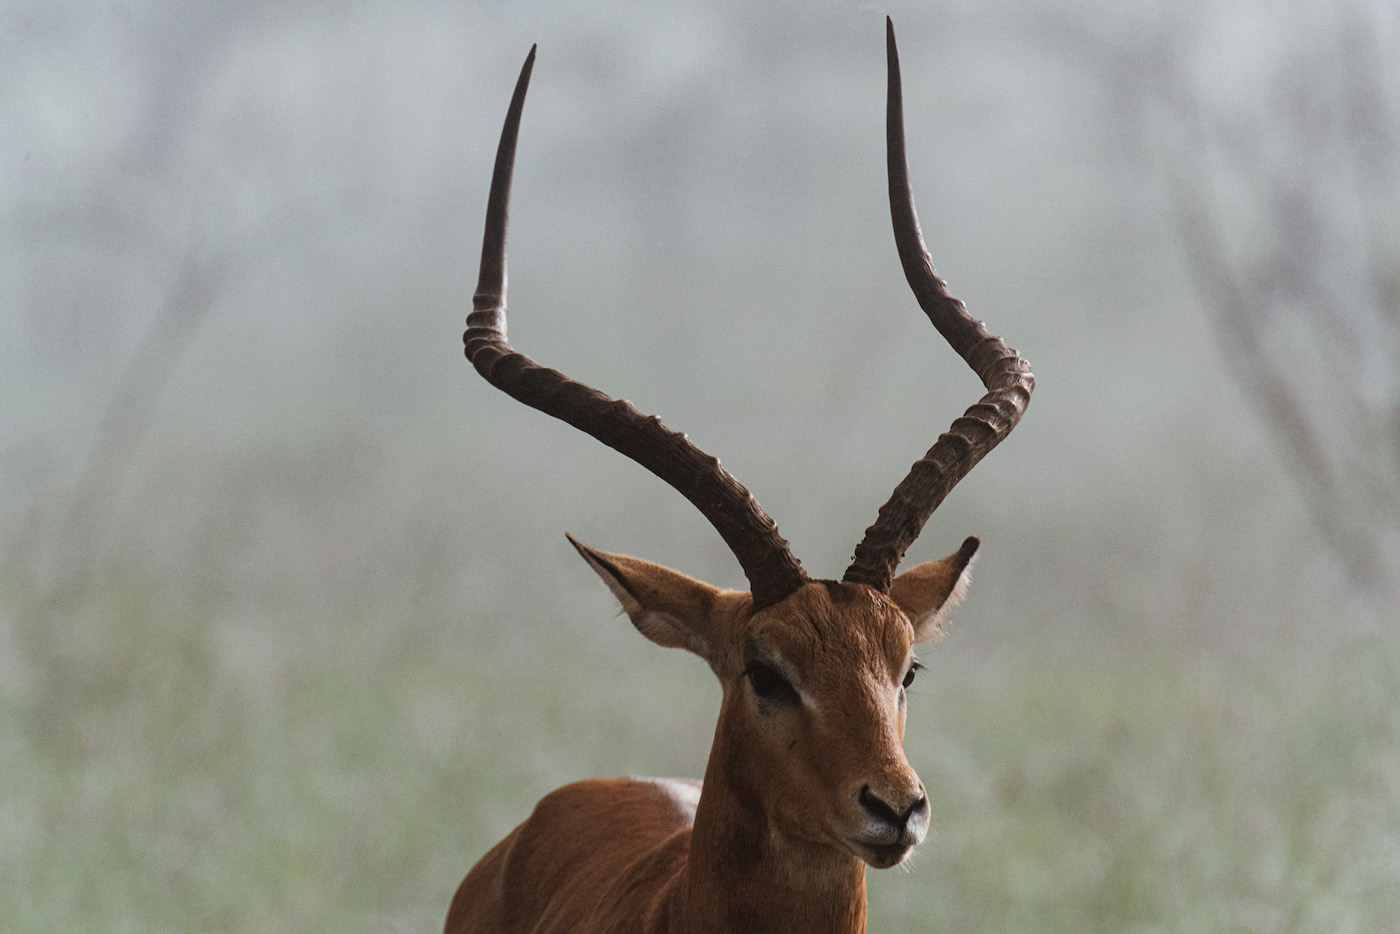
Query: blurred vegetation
[[289, 633], [171, 766]]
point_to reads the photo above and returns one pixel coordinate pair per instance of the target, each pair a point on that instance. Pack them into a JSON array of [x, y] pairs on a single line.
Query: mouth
[[880, 855]]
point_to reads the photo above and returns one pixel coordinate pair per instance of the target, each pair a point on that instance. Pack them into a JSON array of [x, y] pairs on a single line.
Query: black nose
[[883, 811]]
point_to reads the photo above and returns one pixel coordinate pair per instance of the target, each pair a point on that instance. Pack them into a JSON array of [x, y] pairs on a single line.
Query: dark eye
[[769, 685], [909, 676]]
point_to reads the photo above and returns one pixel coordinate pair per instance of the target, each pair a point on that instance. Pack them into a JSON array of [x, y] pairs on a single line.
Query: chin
[[882, 856]]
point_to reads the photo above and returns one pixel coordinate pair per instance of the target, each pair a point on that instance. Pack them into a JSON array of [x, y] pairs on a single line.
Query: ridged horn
[[772, 571], [1006, 375]]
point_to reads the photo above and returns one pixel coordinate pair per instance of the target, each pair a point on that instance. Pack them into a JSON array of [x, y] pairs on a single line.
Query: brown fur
[[779, 839]]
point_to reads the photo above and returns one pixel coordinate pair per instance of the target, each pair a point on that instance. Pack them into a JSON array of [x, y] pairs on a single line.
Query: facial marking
[[765, 667], [837, 744]]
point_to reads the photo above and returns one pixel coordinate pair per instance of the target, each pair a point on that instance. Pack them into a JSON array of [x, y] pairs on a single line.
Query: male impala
[[807, 781]]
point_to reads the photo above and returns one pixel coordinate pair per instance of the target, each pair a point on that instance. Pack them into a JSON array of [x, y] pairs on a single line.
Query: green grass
[[171, 762], [1157, 793]]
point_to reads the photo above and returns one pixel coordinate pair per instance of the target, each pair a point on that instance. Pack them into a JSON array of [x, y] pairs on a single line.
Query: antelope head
[[811, 726], [808, 753]]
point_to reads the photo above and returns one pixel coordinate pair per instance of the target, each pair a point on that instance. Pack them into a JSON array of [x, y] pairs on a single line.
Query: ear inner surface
[[929, 592], [666, 606]]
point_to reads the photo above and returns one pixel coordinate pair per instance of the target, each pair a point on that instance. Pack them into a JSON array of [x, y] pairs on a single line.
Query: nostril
[[881, 810], [878, 809]]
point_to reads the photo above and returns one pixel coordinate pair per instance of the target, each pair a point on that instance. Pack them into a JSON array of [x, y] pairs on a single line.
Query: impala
[[807, 782]]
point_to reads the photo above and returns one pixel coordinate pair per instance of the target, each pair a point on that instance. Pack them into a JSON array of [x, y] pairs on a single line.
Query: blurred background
[[289, 630]]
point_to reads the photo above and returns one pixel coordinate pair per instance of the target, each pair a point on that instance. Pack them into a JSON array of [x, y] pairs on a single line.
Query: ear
[[928, 592], [669, 608]]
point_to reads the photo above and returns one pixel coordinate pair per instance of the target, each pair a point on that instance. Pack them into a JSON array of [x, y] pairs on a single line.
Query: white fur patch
[[684, 794]]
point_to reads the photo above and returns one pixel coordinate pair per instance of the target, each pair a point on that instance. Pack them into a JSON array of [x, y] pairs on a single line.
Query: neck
[[745, 874]]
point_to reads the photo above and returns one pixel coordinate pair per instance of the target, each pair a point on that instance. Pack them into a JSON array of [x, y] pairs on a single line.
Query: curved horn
[[772, 570], [1006, 375]]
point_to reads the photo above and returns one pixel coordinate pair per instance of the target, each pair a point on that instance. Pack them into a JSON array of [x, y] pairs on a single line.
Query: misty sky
[[240, 242]]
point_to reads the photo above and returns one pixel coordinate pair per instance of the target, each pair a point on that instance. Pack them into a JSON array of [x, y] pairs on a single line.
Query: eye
[[909, 675], [769, 685]]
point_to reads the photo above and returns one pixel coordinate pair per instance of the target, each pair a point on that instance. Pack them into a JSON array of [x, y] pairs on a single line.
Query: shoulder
[[642, 803]]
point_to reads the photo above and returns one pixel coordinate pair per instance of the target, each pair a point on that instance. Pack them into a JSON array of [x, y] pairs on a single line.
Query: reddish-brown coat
[[807, 781], [780, 836]]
